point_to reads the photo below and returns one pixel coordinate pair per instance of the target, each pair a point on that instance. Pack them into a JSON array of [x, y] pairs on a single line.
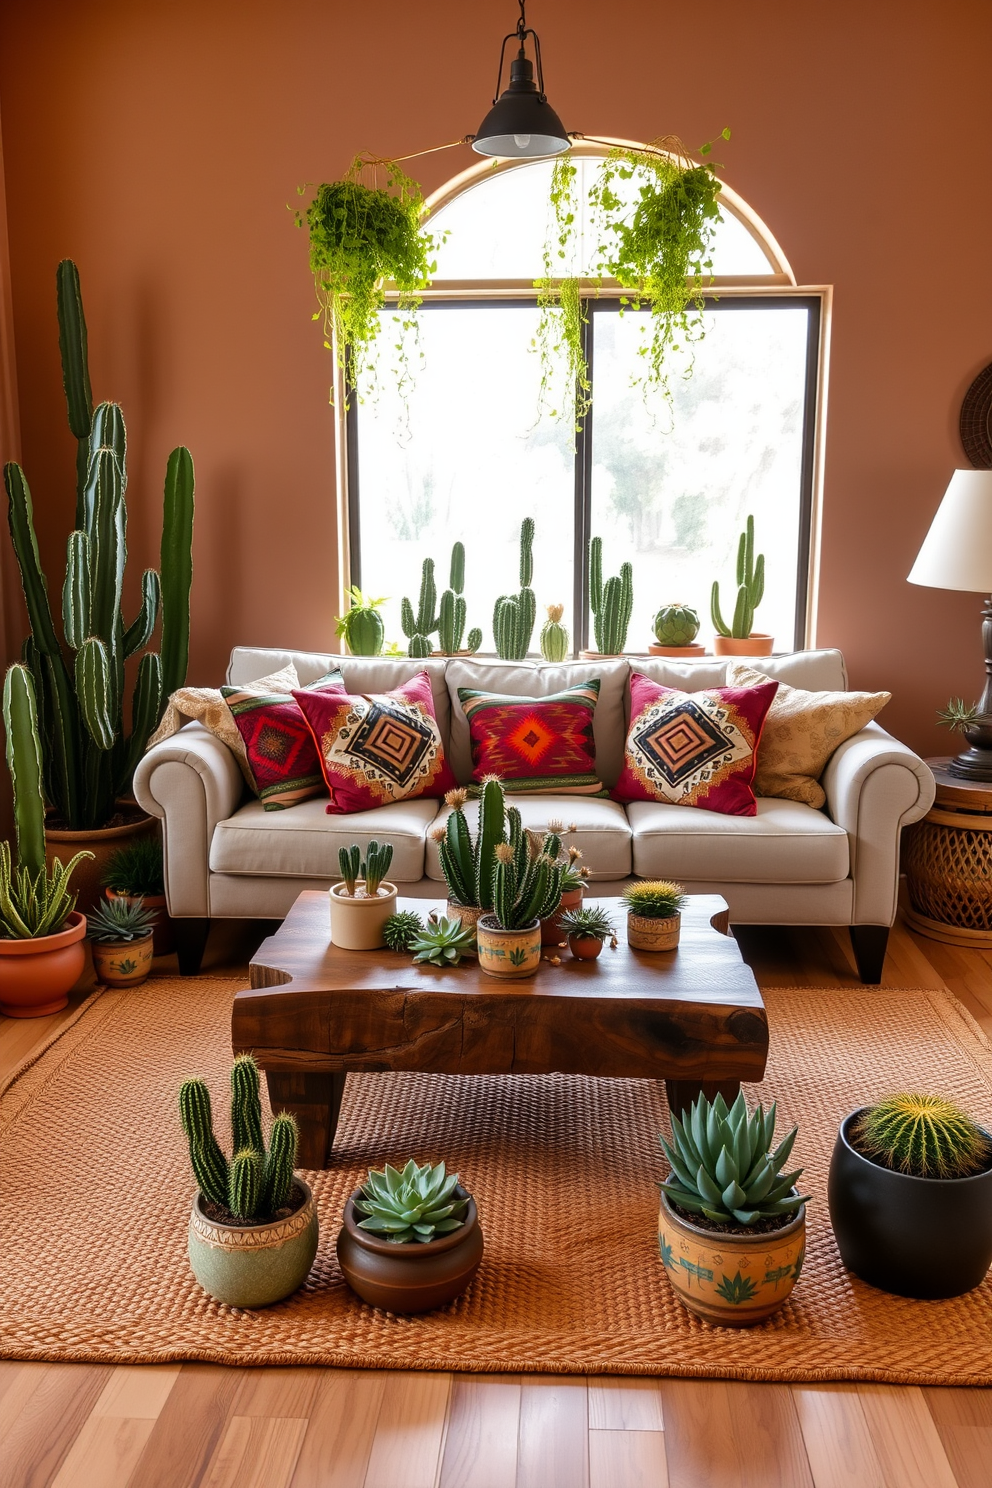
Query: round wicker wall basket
[[948, 862]]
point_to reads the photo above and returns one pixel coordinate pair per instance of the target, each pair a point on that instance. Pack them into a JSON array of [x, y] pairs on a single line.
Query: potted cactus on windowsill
[[611, 603], [675, 629], [732, 1225], [411, 1239], [363, 901], [737, 638], [253, 1229], [910, 1194]]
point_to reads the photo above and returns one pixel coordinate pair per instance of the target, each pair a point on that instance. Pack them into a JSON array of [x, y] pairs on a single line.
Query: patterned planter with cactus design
[[730, 1279], [122, 963], [508, 953]]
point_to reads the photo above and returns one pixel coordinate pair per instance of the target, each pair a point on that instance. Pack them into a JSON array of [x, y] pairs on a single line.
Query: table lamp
[[957, 554]]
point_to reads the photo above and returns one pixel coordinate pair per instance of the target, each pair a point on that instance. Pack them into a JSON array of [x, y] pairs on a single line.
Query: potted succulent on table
[[411, 1239], [585, 930], [121, 937], [41, 934], [253, 1229], [443, 942], [732, 1225], [910, 1195], [738, 639], [363, 902], [361, 624], [654, 914], [526, 889], [138, 872], [675, 629]]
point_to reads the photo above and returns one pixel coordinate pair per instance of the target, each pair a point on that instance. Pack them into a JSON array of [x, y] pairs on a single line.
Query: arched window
[[669, 489]]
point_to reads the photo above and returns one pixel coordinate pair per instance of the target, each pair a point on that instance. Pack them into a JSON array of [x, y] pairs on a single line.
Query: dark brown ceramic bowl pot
[[409, 1278]]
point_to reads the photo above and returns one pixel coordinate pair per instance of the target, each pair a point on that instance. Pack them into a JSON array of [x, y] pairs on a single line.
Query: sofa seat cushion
[[786, 842], [602, 832], [304, 842]]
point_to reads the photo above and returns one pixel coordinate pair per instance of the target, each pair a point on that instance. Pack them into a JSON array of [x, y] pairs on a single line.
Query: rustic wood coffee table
[[692, 1017]]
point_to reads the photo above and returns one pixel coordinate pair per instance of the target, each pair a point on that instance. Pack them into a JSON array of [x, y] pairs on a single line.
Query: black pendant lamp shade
[[521, 125]]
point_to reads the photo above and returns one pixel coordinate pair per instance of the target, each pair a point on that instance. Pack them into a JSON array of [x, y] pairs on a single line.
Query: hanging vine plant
[[659, 250], [361, 236]]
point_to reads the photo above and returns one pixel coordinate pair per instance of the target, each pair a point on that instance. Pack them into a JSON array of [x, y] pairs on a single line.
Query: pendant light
[[521, 125]]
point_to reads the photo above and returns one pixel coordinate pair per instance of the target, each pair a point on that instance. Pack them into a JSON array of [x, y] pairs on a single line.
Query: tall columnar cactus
[[452, 611], [255, 1183], [612, 603], [750, 589], [554, 636], [514, 615], [88, 760], [20, 719], [418, 628], [469, 864]]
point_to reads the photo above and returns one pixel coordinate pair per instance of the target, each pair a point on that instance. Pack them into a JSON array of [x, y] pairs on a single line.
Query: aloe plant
[[724, 1167], [88, 757], [120, 920]]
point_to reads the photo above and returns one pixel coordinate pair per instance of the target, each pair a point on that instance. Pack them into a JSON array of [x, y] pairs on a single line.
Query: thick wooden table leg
[[682, 1093], [315, 1101]]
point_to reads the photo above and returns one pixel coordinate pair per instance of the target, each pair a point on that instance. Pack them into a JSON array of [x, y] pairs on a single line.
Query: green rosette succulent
[[723, 1166], [415, 1204]]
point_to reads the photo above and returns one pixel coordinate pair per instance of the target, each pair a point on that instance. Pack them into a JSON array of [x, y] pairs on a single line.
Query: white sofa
[[225, 857]]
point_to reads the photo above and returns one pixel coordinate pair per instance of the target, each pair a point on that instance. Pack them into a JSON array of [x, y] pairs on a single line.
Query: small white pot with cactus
[[363, 901], [253, 1229]]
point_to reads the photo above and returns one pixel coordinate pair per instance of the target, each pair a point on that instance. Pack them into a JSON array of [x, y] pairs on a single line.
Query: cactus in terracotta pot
[[750, 589], [676, 625]]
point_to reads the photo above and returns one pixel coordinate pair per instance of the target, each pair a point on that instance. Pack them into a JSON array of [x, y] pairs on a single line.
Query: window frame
[[725, 293]]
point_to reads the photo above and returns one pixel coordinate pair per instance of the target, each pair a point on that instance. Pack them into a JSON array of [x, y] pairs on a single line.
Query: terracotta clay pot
[[87, 878], [689, 651], [409, 1278], [469, 916], [253, 1265], [756, 644], [163, 937], [585, 947], [551, 931], [36, 976], [510, 954], [729, 1279], [653, 935], [122, 963], [356, 923]]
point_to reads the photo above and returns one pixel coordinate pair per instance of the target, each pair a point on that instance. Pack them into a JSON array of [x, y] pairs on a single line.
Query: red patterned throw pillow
[[282, 762], [378, 747], [538, 745], [694, 748]]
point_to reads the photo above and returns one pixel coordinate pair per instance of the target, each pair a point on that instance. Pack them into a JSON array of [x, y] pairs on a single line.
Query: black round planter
[[918, 1237]]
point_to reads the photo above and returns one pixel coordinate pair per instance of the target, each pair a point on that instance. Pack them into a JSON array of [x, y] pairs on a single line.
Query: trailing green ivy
[[360, 237], [560, 337]]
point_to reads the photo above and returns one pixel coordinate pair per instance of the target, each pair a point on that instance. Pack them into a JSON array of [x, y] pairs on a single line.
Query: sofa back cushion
[[539, 679], [815, 671]]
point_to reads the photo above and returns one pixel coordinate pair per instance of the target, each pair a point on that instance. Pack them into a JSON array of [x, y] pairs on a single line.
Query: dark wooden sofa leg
[[191, 940], [869, 942]]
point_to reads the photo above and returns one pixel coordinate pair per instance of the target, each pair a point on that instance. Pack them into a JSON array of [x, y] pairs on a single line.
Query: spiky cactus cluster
[[923, 1135], [256, 1182], [373, 870], [469, 863], [401, 930], [525, 888], [554, 636], [449, 620], [676, 625], [723, 1166], [750, 589], [612, 602], [514, 614]]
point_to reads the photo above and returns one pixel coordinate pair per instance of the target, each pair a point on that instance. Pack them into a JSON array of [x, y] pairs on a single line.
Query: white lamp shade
[[957, 551]]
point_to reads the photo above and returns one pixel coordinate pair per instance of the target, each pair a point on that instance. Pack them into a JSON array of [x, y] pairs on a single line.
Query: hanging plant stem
[[362, 236], [560, 338]]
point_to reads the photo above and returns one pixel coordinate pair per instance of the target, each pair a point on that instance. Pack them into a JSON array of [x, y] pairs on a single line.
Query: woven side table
[[948, 861]]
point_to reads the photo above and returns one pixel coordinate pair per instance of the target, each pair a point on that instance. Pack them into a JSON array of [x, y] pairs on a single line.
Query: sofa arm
[[192, 781], [876, 786]]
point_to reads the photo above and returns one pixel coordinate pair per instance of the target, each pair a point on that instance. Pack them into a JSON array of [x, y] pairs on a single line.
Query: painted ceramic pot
[[469, 916], [917, 1237], [653, 935], [551, 931], [687, 651], [37, 975], [508, 953], [585, 947], [409, 1278], [123, 963], [756, 644], [356, 922], [162, 933], [731, 1280], [253, 1265]]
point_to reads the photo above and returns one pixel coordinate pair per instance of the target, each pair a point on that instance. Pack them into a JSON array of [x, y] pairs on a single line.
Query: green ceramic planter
[[253, 1265]]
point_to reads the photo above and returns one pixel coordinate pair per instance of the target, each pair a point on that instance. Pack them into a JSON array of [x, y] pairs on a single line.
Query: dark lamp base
[[972, 764]]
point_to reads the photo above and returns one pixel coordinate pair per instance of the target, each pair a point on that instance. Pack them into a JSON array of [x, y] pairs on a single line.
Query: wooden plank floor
[[201, 1426]]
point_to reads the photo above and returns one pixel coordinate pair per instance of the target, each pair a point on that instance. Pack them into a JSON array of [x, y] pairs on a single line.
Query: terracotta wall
[[159, 143]]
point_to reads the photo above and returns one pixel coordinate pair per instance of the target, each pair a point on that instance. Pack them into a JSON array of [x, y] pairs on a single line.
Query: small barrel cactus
[[923, 1135], [554, 636], [361, 624], [401, 930], [676, 625]]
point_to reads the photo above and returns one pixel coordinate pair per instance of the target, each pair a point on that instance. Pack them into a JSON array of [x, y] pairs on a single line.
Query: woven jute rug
[[95, 1194]]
